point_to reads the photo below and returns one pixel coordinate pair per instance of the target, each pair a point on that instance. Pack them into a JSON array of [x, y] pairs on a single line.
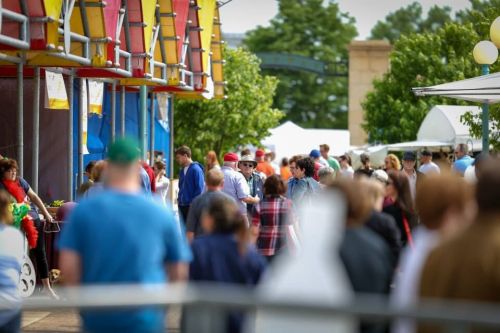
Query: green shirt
[[334, 164]]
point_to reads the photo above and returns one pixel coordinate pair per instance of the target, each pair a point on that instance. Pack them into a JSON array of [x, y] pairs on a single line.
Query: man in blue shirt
[[191, 180], [463, 160], [121, 236]]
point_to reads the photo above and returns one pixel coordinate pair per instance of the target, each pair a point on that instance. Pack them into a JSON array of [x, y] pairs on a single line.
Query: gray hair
[[326, 174]]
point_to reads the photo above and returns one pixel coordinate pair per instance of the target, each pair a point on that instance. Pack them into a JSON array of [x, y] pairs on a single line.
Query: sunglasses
[[248, 165]]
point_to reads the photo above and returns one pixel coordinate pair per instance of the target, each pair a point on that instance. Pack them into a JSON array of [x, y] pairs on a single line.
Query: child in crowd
[[225, 255], [11, 257]]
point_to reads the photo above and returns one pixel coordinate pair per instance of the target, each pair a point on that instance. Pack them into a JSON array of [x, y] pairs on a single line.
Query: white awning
[[415, 145], [483, 89]]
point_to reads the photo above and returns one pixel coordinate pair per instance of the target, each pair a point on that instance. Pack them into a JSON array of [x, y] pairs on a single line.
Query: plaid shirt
[[272, 215]]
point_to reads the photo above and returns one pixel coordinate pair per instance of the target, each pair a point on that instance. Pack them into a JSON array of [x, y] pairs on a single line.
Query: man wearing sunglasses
[[255, 182]]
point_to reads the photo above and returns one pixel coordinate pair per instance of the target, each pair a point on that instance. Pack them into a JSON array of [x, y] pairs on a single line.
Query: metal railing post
[[36, 129]]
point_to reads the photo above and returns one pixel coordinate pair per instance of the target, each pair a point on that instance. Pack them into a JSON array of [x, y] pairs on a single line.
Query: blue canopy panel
[[98, 132]]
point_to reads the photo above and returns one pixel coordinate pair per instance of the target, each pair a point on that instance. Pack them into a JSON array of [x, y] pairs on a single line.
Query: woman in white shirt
[[162, 182]]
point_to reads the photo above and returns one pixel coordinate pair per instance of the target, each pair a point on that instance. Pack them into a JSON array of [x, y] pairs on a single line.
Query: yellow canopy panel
[[88, 32], [217, 57], [206, 19]]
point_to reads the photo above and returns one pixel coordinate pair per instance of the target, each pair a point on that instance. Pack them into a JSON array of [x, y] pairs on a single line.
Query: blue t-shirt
[[463, 163], [124, 238]]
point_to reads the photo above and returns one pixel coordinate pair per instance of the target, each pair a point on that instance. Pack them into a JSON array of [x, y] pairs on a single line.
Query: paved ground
[[69, 321]]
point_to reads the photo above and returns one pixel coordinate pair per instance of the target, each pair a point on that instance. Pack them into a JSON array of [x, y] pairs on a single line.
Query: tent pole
[[485, 69], [70, 137], [36, 129], [152, 130], [122, 111], [143, 105], [113, 111], [80, 131], [171, 127], [20, 119]]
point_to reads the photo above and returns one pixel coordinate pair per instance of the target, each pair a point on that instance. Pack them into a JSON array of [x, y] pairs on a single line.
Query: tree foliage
[[315, 29], [392, 112], [407, 20], [243, 118]]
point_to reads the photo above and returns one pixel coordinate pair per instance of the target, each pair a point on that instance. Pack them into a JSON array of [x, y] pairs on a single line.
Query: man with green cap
[[121, 236]]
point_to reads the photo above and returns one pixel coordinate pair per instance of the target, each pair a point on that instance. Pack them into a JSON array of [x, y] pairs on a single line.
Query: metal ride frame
[[71, 47]]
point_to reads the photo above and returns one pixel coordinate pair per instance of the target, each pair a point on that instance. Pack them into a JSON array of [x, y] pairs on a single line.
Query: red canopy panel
[[181, 8], [111, 15], [138, 46], [195, 44]]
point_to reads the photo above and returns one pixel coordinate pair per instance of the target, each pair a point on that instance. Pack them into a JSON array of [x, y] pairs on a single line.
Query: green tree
[[244, 117], [407, 20], [315, 29], [392, 112]]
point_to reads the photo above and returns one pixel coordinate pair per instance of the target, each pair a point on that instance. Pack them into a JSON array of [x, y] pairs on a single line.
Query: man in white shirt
[[426, 164]]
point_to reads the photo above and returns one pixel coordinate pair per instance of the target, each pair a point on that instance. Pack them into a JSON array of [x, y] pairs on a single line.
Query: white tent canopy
[[442, 128], [483, 89], [290, 139]]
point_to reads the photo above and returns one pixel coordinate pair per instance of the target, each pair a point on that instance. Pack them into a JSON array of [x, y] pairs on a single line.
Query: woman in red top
[[21, 192]]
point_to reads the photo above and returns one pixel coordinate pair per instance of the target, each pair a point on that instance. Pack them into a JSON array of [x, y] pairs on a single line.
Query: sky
[[243, 15]]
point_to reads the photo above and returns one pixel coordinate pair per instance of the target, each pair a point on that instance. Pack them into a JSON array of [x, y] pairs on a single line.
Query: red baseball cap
[[231, 157], [259, 153]]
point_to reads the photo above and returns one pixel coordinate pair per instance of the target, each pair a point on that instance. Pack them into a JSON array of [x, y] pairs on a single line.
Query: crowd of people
[[408, 232]]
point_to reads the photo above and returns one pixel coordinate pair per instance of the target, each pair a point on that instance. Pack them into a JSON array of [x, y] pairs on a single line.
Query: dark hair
[[6, 164], [294, 159], [488, 188], [365, 158], [89, 167], [402, 185], [274, 186], [226, 215], [325, 147], [346, 158], [284, 161], [5, 214], [160, 165], [462, 147], [183, 150], [307, 164]]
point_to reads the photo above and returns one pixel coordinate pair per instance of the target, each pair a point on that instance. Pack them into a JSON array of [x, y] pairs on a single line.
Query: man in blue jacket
[[191, 180]]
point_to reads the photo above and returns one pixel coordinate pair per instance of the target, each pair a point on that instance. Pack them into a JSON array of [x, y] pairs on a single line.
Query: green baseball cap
[[123, 151]]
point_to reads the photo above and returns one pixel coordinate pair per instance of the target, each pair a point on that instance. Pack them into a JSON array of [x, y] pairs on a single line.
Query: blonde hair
[[373, 189], [394, 162], [98, 170]]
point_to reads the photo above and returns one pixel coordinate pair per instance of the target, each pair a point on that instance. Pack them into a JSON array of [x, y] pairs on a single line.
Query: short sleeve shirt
[[236, 186], [124, 238]]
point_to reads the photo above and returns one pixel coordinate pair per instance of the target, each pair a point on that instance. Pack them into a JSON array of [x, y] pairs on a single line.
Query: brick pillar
[[367, 60]]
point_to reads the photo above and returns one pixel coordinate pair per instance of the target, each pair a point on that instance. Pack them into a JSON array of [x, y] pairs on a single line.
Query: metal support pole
[[20, 120], [81, 101], [70, 138], [113, 111], [152, 130], [486, 117], [36, 129], [143, 105], [122, 111], [171, 127]]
